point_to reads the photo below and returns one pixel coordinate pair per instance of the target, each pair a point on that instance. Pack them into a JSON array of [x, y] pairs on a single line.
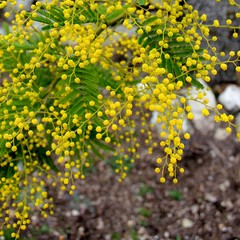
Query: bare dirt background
[[205, 204]]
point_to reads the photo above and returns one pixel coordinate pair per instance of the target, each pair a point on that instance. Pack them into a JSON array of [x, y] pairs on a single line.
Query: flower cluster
[[81, 78]]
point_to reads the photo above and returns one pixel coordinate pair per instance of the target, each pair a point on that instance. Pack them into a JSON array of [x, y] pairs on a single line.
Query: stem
[[49, 89]]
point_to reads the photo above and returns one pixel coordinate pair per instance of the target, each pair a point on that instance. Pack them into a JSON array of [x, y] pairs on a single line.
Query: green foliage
[[116, 236], [134, 234], [120, 164], [141, 2], [176, 195], [144, 212], [82, 93], [178, 237], [7, 234], [175, 55], [55, 15], [144, 190]]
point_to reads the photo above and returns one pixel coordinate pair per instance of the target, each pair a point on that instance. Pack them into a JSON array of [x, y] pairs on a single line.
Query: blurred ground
[[205, 204]]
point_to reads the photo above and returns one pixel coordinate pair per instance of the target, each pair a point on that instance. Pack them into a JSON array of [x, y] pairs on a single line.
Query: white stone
[[202, 123], [75, 213], [166, 234], [141, 231], [221, 134], [187, 223], [230, 98], [227, 204], [100, 224], [131, 223], [195, 209], [153, 119], [2, 31], [80, 233], [187, 127]]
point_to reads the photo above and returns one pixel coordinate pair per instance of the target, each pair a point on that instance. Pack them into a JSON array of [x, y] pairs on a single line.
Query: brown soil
[[205, 204]]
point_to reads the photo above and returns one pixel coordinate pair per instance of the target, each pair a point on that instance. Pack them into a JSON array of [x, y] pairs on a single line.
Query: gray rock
[[202, 123], [230, 98], [221, 134]]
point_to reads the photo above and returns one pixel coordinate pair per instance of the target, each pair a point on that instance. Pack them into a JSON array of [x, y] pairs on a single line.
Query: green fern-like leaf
[[149, 20], [84, 92], [178, 51], [196, 83], [55, 14], [141, 2], [178, 73]]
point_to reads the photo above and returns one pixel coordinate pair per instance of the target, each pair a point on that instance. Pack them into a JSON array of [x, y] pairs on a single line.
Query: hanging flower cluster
[[81, 78]]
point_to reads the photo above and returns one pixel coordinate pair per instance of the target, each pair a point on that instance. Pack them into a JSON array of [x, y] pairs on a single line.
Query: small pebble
[[100, 224], [131, 223], [141, 231], [210, 197], [229, 98], [166, 234], [187, 223], [222, 227], [224, 186], [194, 209], [75, 213]]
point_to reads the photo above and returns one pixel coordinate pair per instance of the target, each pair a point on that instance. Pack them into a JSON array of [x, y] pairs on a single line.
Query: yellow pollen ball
[[65, 181], [107, 139], [162, 180], [190, 116], [205, 112], [228, 130], [14, 148]]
